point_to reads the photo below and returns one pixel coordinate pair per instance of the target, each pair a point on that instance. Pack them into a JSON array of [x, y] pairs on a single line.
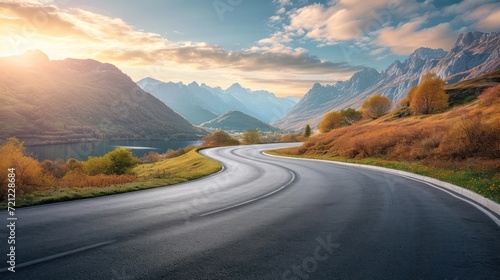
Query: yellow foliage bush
[[29, 175], [376, 106]]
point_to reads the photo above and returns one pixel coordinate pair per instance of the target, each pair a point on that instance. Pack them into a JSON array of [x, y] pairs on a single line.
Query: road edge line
[[483, 201]]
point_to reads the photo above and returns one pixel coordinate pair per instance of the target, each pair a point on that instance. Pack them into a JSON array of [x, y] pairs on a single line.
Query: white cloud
[[80, 33], [274, 18], [283, 2], [406, 38], [344, 20], [399, 26], [486, 17], [464, 6], [378, 51]]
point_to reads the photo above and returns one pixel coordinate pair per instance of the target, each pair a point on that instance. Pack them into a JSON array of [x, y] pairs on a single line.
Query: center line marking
[[251, 200], [44, 259]]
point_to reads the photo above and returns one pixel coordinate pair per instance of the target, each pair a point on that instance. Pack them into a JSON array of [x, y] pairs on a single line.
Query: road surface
[[261, 218]]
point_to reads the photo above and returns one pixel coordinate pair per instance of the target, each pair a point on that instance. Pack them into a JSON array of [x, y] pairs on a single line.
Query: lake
[[81, 151]]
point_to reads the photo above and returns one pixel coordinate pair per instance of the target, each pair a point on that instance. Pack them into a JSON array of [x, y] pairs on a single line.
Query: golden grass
[[189, 166], [430, 138]]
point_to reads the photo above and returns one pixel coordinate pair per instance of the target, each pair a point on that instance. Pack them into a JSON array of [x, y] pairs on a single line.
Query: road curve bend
[[261, 217]]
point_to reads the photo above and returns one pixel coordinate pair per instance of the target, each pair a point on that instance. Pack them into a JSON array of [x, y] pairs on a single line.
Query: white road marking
[[44, 259], [251, 200]]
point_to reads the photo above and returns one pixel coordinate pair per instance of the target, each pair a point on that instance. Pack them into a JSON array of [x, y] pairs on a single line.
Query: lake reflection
[[82, 151]]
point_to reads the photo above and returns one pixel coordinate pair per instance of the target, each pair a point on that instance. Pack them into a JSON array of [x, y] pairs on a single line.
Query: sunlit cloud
[[347, 19], [406, 38], [465, 6], [300, 34], [79, 33], [490, 22]]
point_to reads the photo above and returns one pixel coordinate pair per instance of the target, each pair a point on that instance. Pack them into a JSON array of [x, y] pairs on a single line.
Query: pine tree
[[307, 131]]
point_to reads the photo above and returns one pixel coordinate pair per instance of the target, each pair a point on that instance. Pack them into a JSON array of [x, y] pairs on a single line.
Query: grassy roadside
[[189, 166], [484, 182]]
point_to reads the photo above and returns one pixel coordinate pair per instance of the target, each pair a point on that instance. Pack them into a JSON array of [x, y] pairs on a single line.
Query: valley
[[231, 139]]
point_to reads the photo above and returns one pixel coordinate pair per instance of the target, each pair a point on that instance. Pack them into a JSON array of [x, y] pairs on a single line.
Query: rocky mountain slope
[[473, 54], [194, 101], [74, 100]]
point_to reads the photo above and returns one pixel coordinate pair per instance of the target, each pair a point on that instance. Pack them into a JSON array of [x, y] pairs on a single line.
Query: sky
[[283, 46]]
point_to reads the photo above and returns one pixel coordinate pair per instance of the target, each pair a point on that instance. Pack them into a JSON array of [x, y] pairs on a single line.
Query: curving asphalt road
[[261, 218]]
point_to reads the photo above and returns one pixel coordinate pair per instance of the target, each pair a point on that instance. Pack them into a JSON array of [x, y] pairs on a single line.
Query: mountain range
[[238, 122], [74, 100], [473, 54], [201, 103]]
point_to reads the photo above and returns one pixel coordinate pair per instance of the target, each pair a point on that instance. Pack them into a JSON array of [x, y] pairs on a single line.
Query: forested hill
[[43, 101], [238, 121]]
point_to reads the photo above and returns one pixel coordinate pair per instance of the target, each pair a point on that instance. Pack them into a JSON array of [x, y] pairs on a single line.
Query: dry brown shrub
[[376, 106], [291, 137], [173, 153], [490, 95], [473, 137], [150, 157], [403, 103]]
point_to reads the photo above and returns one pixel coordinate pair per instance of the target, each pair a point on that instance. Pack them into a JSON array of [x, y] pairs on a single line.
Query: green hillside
[[238, 121], [196, 116]]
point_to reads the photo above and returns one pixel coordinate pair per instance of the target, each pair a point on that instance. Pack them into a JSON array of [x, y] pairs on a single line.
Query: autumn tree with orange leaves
[[429, 96]]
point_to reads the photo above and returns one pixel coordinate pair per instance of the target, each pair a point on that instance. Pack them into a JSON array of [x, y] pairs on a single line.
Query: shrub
[[122, 160], [29, 173], [172, 153], [291, 137], [74, 165], [334, 120], [251, 137], [55, 168], [97, 165], [403, 103], [119, 161], [330, 121], [490, 95], [376, 106], [150, 157], [351, 116], [473, 137], [219, 138]]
